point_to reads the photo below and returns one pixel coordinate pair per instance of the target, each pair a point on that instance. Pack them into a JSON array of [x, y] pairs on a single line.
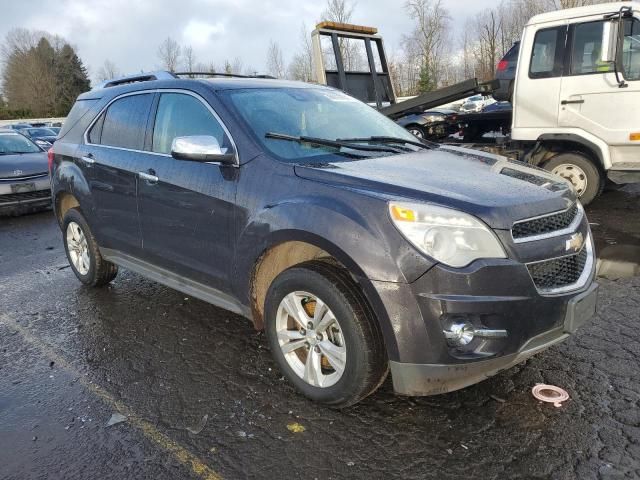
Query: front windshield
[[311, 112], [15, 143]]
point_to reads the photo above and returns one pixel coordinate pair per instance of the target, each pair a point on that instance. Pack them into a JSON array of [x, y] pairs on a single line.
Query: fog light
[[460, 334]]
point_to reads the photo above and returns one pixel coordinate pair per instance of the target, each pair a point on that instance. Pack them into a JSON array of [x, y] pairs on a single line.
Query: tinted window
[[96, 130], [586, 49], [125, 122], [548, 50], [181, 115], [631, 49]]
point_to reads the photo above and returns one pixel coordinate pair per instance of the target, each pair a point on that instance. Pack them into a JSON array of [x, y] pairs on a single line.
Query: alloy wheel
[[78, 248]]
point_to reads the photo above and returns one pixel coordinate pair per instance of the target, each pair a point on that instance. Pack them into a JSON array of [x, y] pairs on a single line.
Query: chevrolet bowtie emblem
[[575, 243], [17, 173]]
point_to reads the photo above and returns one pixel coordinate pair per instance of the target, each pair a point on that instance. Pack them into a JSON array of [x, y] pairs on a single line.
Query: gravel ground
[[203, 399]]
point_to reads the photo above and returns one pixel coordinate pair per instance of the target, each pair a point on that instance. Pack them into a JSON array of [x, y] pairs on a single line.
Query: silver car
[[24, 175]]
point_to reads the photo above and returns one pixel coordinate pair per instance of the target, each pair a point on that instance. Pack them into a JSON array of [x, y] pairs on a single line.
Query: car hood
[[492, 188], [23, 165]]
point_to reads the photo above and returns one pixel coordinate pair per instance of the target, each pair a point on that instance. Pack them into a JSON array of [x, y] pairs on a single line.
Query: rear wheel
[[83, 253], [581, 172], [323, 335]]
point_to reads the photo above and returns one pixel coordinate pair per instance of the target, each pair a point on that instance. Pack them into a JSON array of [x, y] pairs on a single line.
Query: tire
[[581, 172], [91, 269], [417, 131], [359, 339]]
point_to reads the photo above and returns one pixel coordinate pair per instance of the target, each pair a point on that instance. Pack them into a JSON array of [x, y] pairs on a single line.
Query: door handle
[[88, 159], [152, 179], [567, 102]]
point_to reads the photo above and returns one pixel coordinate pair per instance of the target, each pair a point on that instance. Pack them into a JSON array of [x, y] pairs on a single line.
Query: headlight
[[449, 236]]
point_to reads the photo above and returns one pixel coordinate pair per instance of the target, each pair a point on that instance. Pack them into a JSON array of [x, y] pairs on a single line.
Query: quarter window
[[586, 49], [181, 115], [125, 122], [548, 53], [631, 49]]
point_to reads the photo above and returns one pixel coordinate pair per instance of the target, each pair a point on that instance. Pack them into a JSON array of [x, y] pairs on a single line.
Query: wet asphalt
[[202, 398]]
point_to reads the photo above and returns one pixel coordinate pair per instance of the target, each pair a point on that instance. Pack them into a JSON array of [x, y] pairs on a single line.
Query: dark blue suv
[[357, 247]]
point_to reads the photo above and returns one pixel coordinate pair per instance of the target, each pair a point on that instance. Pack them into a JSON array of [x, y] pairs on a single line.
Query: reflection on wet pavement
[[615, 222]]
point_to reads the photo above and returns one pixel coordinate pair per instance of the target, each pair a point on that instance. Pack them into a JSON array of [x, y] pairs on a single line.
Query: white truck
[[576, 101]]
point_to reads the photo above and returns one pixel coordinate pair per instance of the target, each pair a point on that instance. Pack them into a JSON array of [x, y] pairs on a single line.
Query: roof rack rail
[[220, 74], [140, 77]]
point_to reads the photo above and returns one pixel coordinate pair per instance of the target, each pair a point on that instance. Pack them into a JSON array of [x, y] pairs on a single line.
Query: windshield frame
[[327, 156], [23, 137]]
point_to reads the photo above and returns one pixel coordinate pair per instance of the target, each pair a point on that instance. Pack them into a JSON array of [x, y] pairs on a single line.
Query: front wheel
[[323, 335], [581, 172], [416, 131]]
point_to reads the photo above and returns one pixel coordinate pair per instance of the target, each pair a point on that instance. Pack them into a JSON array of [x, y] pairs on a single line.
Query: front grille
[[543, 225], [558, 272], [24, 196]]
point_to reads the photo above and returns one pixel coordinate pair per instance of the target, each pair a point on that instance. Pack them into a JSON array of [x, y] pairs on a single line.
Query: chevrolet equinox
[[359, 249]]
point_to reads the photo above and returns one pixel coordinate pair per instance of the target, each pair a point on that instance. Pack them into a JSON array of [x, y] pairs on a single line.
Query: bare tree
[[275, 62], [189, 58], [169, 54], [107, 71], [352, 51], [428, 40], [301, 67], [237, 66]]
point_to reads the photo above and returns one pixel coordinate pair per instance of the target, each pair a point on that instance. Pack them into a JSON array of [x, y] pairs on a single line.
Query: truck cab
[[577, 94]]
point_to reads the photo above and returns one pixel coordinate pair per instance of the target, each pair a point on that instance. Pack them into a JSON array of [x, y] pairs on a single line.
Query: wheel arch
[[552, 144]]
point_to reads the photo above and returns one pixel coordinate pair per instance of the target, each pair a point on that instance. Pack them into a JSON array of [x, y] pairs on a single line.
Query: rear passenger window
[[181, 115], [125, 122], [548, 53]]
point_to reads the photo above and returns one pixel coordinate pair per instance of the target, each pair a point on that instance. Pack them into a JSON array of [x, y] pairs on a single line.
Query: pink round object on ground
[[550, 394]]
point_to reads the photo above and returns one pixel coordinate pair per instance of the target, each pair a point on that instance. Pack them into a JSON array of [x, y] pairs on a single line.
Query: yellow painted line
[[180, 453]]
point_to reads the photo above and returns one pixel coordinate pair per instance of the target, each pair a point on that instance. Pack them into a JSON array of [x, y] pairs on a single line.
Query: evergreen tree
[[71, 79]]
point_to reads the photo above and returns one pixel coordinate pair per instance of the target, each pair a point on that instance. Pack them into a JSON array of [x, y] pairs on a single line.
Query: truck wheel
[[583, 174], [83, 253], [323, 335]]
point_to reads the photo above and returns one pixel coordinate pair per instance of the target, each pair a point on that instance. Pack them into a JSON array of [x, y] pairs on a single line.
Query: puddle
[[618, 261]]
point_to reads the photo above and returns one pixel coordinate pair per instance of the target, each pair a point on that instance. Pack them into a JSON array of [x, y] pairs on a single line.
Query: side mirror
[[201, 148], [609, 42]]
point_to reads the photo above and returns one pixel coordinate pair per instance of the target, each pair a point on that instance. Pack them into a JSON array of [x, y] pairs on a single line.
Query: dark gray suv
[[357, 247]]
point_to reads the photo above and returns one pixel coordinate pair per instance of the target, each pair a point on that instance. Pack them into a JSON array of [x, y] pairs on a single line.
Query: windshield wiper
[[337, 144], [389, 140]]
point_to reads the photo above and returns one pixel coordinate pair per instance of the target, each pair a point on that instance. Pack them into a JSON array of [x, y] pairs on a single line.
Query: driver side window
[[182, 115]]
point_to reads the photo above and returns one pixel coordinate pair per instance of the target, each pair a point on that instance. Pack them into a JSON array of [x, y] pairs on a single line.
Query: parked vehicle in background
[[43, 137], [24, 176], [357, 247], [575, 95], [19, 126], [498, 107], [506, 74], [429, 124], [55, 130], [475, 104]]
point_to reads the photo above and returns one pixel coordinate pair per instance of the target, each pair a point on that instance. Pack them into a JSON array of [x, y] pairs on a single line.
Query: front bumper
[[432, 379], [18, 196]]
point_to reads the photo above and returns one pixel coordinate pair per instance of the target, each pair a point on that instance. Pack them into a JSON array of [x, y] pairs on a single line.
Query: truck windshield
[[321, 113]]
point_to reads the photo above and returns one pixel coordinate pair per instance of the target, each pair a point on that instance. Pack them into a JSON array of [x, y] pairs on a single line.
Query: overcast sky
[[128, 32]]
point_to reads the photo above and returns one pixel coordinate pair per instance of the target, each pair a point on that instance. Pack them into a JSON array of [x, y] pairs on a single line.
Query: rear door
[[187, 208], [112, 158], [591, 99]]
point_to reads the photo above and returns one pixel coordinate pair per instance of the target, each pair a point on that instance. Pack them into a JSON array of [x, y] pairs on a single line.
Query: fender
[[69, 178], [593, 144]]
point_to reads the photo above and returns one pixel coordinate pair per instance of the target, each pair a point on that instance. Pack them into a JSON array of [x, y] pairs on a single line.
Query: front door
[[591, 98], [111, 158], [187, 208]]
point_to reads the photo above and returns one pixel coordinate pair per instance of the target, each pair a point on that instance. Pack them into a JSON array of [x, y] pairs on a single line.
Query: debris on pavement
[[497, 399], [550, 394], [199, 427], [295, 427], [115, 419]]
